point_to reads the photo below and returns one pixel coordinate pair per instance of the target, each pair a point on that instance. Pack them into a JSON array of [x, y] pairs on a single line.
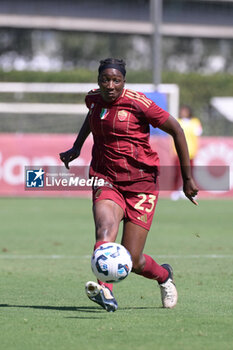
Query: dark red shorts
[[138, 206]]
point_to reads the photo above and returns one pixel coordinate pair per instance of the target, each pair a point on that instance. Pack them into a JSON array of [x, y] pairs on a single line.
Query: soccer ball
[[111, 262]]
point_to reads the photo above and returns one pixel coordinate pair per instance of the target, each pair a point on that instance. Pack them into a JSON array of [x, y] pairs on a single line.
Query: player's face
[[111, 83]]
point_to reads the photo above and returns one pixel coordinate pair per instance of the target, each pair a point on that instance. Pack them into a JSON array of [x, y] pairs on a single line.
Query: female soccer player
[[119, 121]]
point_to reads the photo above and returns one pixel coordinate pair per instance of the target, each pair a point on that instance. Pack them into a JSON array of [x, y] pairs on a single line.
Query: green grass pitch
[[45, 248]]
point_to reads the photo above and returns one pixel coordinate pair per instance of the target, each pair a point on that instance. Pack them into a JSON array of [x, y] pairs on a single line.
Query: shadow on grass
[[142, 308], [87, 309], [56, 308], [85, 318]]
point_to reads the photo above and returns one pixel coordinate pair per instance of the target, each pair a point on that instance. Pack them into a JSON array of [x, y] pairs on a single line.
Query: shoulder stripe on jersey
[[135, 94], [123, 93], [140, 98]]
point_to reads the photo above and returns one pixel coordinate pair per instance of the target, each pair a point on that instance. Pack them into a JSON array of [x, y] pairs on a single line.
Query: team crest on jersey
[[122, 115]]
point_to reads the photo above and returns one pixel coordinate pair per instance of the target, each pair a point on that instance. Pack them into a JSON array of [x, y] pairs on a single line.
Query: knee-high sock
[[108, 285], [154, 271]]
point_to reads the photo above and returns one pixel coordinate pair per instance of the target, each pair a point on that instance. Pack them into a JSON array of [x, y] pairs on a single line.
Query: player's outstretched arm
[[74, 152], [172, 127]]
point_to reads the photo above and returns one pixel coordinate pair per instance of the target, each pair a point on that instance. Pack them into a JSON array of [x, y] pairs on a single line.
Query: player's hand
[[190, 190], [69, 155]]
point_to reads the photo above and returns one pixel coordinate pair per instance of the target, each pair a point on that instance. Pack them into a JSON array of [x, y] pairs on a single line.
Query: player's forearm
[[173, 128], [183, 154], [83, 134]]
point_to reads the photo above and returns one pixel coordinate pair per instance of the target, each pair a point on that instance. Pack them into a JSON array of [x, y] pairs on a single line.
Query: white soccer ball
[[111, 262]]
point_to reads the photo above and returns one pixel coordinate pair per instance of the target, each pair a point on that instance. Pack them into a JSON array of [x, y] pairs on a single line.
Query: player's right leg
[[101, 295], [108, 212]]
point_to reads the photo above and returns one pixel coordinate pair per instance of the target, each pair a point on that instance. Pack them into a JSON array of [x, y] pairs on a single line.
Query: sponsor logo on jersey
[[98, 193], [143, 218], [91, 108]]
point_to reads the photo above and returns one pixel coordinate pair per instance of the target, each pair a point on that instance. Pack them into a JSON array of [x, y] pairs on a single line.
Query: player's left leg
[[134, 238], [140, 209]]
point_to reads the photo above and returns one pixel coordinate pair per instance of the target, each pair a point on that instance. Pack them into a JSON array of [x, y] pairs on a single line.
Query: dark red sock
[[154, 271], [108, 285], [97, 244]]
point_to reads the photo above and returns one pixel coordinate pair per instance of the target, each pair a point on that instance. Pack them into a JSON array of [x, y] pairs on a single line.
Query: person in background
[[192, 129]]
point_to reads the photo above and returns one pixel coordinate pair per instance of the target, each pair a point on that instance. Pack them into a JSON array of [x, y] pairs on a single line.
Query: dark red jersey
[[121, 150]]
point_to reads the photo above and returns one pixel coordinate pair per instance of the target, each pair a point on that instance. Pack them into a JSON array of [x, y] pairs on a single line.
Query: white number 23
[[151, 200]]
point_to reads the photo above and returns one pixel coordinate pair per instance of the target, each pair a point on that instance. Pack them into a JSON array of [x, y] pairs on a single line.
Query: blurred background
[[179, 50]]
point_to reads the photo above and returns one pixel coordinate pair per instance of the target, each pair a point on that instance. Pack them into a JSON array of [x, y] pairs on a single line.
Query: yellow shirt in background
[[192, 129]]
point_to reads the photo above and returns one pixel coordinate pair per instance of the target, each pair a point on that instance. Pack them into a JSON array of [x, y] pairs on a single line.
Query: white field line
[[43, 257], [70, 257]]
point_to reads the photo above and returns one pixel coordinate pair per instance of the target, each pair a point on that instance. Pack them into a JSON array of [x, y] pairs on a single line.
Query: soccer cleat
[[101, 295], [168, 290]]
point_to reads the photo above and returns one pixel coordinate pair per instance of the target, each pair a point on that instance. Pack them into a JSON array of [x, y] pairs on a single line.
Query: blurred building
[[49, 35], [193, 18]]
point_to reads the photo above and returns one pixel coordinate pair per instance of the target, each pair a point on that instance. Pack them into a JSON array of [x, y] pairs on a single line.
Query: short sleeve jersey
[[121, 150]]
